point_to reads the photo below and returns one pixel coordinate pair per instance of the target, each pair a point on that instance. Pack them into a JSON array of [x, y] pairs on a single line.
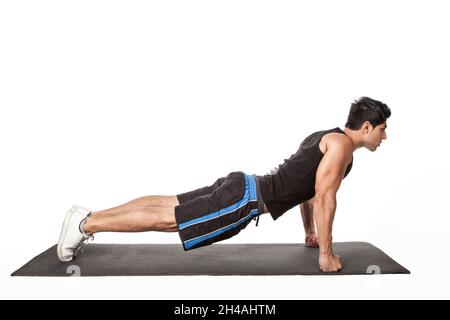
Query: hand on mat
[[329, 263], [311, 241]]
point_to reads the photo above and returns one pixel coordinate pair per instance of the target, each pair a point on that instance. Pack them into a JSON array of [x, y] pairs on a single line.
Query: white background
[[106, 101]]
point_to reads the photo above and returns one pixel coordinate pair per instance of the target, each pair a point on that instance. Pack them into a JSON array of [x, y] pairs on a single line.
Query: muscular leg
[[151, 201], [148, 213]]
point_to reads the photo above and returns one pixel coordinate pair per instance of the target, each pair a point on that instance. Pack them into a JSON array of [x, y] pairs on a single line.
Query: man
[[310, 178]]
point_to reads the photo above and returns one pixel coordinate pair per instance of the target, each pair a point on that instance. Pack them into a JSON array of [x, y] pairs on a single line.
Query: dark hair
[[367, 109]]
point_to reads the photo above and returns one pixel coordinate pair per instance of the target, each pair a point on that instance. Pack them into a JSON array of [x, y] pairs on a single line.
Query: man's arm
[[329, 176], [306, 210]]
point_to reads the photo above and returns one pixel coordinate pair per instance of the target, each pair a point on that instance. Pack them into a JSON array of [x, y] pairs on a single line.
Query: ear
[[366, 127]]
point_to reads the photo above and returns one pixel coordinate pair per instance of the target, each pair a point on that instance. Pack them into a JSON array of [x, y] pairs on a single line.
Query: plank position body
[[310, 178]]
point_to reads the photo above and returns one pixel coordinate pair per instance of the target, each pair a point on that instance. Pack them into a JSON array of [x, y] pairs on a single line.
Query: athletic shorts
[[219, 211]]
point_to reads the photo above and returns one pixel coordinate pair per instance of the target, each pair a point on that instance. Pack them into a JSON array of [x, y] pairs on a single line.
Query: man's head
[[367, 118]]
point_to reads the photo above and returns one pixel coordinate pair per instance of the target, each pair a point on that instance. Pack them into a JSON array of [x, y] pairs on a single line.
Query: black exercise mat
[[216, 259]]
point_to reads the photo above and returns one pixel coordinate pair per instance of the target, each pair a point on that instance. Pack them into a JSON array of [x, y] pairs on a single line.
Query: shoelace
[[83, 242]]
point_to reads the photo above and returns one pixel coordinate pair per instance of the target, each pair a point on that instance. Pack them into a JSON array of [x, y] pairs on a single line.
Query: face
[[373, 136]]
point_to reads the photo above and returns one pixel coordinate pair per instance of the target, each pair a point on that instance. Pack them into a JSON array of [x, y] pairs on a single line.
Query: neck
[[355, 137]]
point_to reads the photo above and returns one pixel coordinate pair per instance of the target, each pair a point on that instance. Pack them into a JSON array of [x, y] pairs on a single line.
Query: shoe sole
[[62, 237]]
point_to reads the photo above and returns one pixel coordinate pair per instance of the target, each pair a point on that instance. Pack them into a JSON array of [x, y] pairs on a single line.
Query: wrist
[[325, 250]]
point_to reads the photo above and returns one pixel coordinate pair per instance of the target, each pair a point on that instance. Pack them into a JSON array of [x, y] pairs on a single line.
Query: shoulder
[[335, 141], [332, 166]]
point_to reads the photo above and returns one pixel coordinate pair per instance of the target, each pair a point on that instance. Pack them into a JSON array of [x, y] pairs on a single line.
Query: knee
[[170, 221]]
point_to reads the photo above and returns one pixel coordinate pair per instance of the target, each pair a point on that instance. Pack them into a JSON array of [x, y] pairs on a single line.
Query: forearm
[[324, 210], [306, 209]]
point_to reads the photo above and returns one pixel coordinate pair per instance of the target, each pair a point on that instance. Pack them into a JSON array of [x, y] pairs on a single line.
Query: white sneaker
[[72, 234]]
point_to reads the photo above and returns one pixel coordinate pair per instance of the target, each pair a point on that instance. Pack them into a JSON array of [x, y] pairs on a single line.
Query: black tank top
[[294, 180]]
